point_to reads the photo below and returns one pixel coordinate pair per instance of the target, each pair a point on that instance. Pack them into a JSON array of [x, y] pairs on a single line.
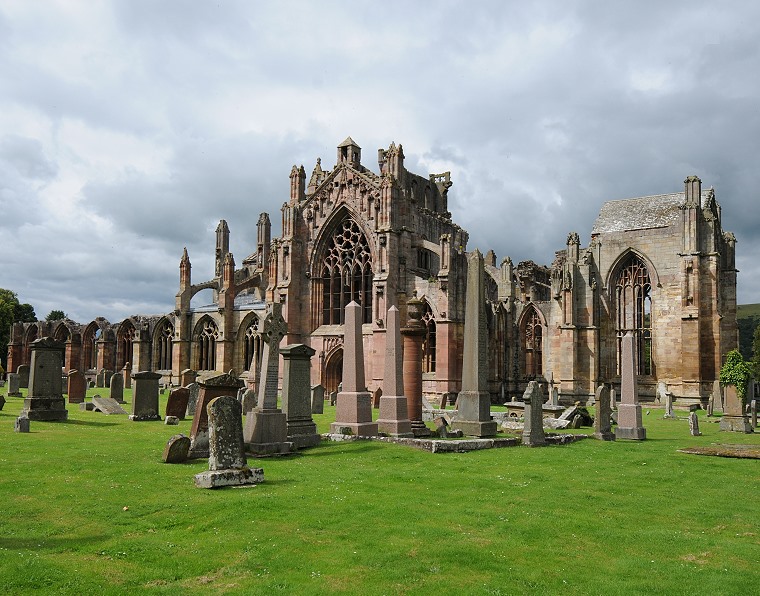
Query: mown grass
[[375, 518], [747, 310]]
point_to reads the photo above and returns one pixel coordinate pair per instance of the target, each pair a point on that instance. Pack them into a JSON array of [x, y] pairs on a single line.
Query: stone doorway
[[333, 371]]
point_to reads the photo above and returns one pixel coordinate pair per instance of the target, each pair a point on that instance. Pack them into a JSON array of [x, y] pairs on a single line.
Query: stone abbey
[[660, 267]]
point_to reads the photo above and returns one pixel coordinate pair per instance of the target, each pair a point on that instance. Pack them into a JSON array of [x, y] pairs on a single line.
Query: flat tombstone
[[629, 410], [116, 386], [176, 449], [45, 400], [77, 387], [211, 388], [694, 424], [192, 401], [533, 429], [107, 406], [23, 371], [317, 399], [176, 404], [13, 385], [145, 396]]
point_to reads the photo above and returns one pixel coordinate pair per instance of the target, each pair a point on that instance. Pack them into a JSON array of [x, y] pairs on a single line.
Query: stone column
[[44, 399], [413, 333], [394, 417], [296, 395], [629, 409]]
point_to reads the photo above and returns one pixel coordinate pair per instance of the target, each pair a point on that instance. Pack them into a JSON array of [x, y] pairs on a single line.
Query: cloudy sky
[[129, 128]]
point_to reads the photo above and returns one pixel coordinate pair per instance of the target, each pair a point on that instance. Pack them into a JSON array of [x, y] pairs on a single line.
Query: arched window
[[252, 345], [346, 274], [90, 346], [165, 346], [428, 343], [633, 303], [533, 344], [207, 345], [125, 346]]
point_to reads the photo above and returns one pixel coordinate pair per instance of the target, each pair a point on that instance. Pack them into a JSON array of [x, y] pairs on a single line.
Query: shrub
[[736, 372]]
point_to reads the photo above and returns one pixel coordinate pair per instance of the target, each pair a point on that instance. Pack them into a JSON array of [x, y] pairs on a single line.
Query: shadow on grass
[[62, 543], [89, 422], [332, 448]]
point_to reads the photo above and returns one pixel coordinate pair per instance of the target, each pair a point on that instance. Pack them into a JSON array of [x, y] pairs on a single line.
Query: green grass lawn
[[89, 508]]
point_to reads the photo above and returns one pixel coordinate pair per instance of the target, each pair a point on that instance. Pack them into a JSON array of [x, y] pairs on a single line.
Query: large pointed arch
[[163, 344], [205, 336], [250, 344], [429, 343], [630, 289], [125, 336], [92, 333], [532, 329]]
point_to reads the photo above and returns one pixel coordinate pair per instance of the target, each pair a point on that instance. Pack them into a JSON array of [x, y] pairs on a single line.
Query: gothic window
[[90, 347], [207, 345], [125, 347], [252, 345], [346, 274], [428, 343], [423, 259], [633, 303], [533, 344], [165, 346]]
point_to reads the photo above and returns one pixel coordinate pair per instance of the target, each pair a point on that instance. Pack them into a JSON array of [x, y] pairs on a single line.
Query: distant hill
[[747, 318]]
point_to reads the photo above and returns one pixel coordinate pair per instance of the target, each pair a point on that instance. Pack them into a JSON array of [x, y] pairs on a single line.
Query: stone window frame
[[207, 336], [429, 340], [532, 339], [165, 346], [253, 345], [633, 311], [125, 343]]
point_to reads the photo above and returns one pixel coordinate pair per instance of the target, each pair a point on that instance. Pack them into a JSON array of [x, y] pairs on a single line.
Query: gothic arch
[[619, 262], [205, 336], [125, 336], [333, 369], [249, 342], [429, 343], [163, 344], [532, 329], [92, 333], [32, 334]]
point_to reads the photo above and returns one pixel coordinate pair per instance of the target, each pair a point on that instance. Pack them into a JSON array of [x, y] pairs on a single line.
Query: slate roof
[[642, 213]]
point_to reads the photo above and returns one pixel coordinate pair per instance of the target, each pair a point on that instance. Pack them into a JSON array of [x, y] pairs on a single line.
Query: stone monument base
[[46, 409], [394, 420], [473, 415], [605, 436], [636, 434], [473, 428], [353, 411], [266, 432], [629, 423], [219, 478], [735, 424], [303, 434], [144, 417]]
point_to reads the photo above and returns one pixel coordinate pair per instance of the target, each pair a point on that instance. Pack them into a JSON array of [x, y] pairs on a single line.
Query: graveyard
[[89, 506]]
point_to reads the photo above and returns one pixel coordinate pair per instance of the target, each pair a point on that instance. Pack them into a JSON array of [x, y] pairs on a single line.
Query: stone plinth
[[144, 396], [734, 418], [533, 426], [45, 400], [209, 389], [393, 416], [77, 387], [629, 410], [296, 395]]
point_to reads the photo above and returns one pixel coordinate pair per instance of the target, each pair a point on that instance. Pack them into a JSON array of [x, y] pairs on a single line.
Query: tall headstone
[[554, 396], [393, 416], [126, 375], [629, 410], [192, 400], [13, 385], [602, 414], [753, 413], [669, 405], [266, 426], [533, 428], [76, 387], [145, 396], [176, 403], [249, 401], [211, 388], [734, 417], [116, 388], [414, 334], [100, 378], [474, 413], [44, 400], [353, 411], [317, 399], [662, 390], [296, 395], [23, 371], [717, 398], [227, 464], [187, 376], [694, 424]]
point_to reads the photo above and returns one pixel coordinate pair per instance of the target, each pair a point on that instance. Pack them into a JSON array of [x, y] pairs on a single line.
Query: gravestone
[[393, 416], [107, 406], [602, 414], [126, 376], [669, 405], [76, 387], [187, 376], [753, 413], [376, 394], [629, 410], [354, 403], [13, 385], [23, 371], [145, 396], [296, 395], [717, 398], [2, 402], [87, 406], [317, 399], [444, 400], [176, 403], [441, 427], [240, 394], [662, 391], [227, 464], [474, 413], [192, 400], [613, 399], [694, 425], [249, 401], [176, 449], [116, 388], [533, 427], [333, 397], [44, 400], [171, 420], [734, 417], [21, 425], [266, 426], [100, 378], [553, 396], [211, 388]]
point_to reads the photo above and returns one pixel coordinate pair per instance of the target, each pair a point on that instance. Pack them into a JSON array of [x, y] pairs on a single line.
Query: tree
[[736, 372], [55, 315], [11, 311]]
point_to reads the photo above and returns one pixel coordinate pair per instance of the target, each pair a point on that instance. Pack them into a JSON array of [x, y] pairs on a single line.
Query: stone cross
[[275, 329], [629, 409], [533, 429]]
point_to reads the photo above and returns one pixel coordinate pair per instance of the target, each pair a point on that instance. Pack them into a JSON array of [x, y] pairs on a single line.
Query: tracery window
[[90, 347], [252, 345], [165, 345], [633, 302], [428, 343], [346, 274], [207, 346], [126, 347], [533, 344]]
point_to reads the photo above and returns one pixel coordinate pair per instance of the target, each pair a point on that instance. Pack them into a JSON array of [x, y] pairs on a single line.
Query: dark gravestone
[[176, 449], [2, 402], [45, 400], [694, 424], [13, 385], [116, 386], [107, 406], [23, 371], [318, 399], [192, 400], [209, 389], [21, 425], [145, 396], [333, 397], [603, 414], [296, 395], [176, 404], [77, 387], [187, 376], [533, 429]]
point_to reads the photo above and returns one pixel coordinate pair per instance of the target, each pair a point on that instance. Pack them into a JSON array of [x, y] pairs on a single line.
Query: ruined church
[[660, 267]]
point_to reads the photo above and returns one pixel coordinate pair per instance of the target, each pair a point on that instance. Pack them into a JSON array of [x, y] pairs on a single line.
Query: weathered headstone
[[171, 420], [296, 395], [734, 417], [376, 394], [669, 405], [266, 426], [393, 416], [176, 403], [753, 413], [602, 414], [116, 387], [662, 391], [717, 398], [441, 427], [77, 387], [192, 401], [176, 449], [694, 424], [249, 401], [209, 389], [354, 403], [317, 399], [533, 428], [333, 397], [100, 378], [13, 385], [44, 400], [474, 413], [187, 376], [22, 424], [145, 396], [553, 396], [87, 406], [613, 399], [126, 376], [107, 406], [629, 410], [23, 371], [444, 400], [227, 464]]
